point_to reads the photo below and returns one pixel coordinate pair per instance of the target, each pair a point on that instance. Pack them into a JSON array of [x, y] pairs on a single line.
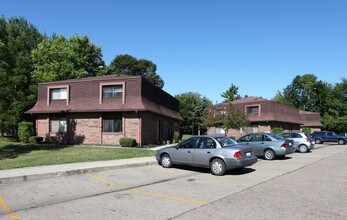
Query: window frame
[[101, 93], [119, 118], [251, 107], [58, 119], [49, 93], [115, 93]]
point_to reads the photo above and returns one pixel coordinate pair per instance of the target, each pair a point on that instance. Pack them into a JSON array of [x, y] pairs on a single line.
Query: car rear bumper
[[232, 163]]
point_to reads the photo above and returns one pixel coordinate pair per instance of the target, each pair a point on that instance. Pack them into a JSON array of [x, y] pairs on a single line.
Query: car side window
[[296, 135], [246, 138], [287, 135], [206, 143], [258, 137], [189, 143], [266, 138]]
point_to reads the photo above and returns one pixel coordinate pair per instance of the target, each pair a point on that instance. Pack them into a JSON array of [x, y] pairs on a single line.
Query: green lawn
[[17, 155]]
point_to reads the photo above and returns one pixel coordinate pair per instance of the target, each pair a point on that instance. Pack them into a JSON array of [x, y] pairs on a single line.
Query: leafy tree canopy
[[231, 94], [192, 108], [129, 65], [17, 39], [59, 58], [308, 93]]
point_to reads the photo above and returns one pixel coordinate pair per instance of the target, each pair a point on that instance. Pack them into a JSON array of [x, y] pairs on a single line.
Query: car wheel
[[318, 141], [341, 141], [269, 154], [218, 167], [303, 148], [165, 161]]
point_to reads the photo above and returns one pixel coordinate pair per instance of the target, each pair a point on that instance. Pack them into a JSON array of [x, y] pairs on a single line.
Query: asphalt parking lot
[[300, 186]]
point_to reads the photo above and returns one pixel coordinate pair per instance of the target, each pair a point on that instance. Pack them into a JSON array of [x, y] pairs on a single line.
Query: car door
[[247, 140], [259, 143], [297, 139], [331, 136], [202, 153], [183, 152]]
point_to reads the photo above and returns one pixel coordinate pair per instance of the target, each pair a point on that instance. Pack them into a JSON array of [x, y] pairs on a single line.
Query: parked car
[[343, 134], [268, 145], [303, 142], [328, 136], [219, 153]]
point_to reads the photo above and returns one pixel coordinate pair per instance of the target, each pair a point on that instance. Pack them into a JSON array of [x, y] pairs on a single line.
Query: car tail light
[[237, 154], [284, 145], [308, 140]]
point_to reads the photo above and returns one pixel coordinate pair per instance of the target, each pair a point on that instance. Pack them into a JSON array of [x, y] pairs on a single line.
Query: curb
[[37, 176]]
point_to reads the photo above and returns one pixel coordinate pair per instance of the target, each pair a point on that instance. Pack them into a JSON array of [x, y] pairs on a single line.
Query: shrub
[[307, 130], [51, 140], [186, 136], [127, 142], [35, 140], [277, 130], [232, 137], [176, 137], [25, 131]]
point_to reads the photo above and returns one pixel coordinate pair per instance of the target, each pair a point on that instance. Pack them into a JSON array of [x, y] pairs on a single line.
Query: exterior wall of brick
[[86, 128], [157, 129], [149, 114], [42, 126]]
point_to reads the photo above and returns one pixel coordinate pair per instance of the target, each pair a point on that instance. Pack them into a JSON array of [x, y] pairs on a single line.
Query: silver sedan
[[219, 153]]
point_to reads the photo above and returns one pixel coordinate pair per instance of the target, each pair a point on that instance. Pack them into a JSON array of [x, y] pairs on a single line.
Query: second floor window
[[58, 93], [253, 110], [112, 91]]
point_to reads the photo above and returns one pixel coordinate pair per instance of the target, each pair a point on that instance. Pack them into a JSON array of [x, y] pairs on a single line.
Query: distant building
[[264, 115], [101, 110]]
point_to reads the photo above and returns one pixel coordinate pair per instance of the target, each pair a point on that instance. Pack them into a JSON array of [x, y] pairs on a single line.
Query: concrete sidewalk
[[41, 172]]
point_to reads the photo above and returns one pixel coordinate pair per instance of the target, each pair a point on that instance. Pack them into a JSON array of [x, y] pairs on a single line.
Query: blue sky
[[205, 46]]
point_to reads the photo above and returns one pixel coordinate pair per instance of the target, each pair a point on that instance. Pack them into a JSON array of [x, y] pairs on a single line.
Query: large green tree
[[231, 94], [193, 107], [59, 58], [336, 118], [17, 39], [129, 65], [307, 93]]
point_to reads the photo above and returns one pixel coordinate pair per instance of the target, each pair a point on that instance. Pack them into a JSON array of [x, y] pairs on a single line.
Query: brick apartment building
[[101, 110], [264, 115]]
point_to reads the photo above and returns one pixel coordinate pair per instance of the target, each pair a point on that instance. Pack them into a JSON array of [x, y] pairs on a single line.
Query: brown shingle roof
[[84, 97]]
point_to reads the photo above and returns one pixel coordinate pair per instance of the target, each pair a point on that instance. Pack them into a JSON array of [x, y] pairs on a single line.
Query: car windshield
[[277, 137], [225, 141]]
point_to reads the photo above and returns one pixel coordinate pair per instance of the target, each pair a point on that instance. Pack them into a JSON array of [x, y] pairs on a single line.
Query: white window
[[58, 124], [58, 93], [112, 91], [220, 130]]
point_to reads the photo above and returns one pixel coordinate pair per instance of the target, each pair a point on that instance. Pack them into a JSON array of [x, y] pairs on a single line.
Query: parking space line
[[145, 192], [104, 180], [167, 197], [225, 179], [228, 179], [5, 207]]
